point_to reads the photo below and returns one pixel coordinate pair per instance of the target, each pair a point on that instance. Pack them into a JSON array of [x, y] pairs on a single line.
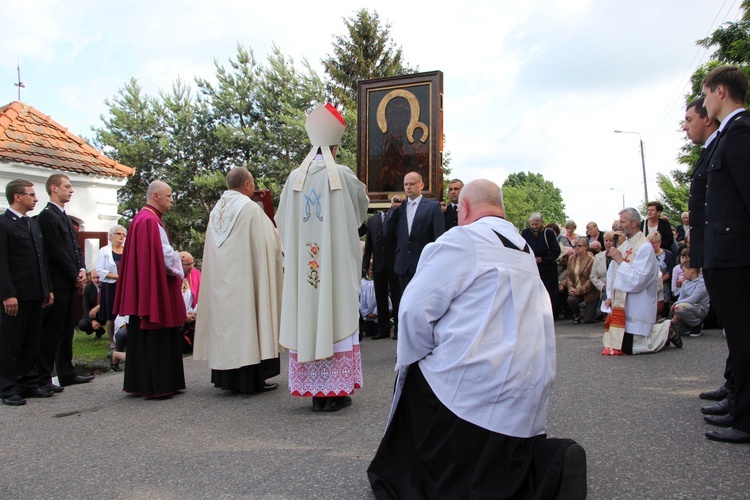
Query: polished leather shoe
[[716, 395], [54, 388], [729, 435], [718, 408], [14, 400], [37, 392], [78, 379], [269, 387], [719, 420]]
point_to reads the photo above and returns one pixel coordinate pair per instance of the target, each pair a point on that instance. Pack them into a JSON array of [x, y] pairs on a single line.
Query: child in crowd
[[692, 307], [677, 274]]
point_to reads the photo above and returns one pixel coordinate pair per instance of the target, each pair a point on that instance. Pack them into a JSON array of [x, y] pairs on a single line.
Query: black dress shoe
[[719, 420], [336, 403], [718, 408], [37, 392], [269, 387], [716, 395], [54, 388], [729, 435], [380, 336], [14, 400], [78, 379]]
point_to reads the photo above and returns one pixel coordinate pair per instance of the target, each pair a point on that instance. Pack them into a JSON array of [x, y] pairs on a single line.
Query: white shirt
[[478, 319], [411, 210]]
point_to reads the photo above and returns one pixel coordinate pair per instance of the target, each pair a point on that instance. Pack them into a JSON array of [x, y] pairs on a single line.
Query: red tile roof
[[28, 136]]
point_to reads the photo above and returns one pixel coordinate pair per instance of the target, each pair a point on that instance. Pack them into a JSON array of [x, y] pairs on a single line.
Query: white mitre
[[325, 127]]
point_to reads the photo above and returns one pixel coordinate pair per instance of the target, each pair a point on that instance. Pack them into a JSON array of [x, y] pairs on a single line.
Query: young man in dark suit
[[24, 289], [382, 250], [451, 209], [68, 274], [417, 222], [726, 262], [91, 297]]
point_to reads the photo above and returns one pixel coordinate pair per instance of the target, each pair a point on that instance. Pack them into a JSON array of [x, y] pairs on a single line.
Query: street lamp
[[643, 160], [623, 195]]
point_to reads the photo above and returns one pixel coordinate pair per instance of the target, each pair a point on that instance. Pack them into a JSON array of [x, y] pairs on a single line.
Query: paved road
[[637, 417]]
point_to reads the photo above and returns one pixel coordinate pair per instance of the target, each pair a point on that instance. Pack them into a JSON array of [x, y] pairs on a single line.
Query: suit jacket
[[382, 249], [665, 230], [697, 205], [427, 226], [23, 268], [451, 216], [64, 256], [727, 224], [90, 296]]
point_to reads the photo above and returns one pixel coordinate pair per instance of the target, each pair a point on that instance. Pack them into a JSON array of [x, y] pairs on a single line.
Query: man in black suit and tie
[[701, 129], [91, 298], [25, 288], [415, 223], [451, 209], [382, 250], [66, 267], [726, 261]]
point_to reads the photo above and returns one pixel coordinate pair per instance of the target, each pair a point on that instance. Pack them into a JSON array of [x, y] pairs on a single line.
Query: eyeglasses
[[577, 246], [120, 233]]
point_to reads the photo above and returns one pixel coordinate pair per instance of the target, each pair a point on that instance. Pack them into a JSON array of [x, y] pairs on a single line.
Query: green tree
[[366, 51], [132, 136], [527, 192], [732, 43]]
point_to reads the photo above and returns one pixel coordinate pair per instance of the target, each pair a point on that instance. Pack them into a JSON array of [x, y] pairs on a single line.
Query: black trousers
[[56, 348], [383, 282], [19, 345], [728, 291]]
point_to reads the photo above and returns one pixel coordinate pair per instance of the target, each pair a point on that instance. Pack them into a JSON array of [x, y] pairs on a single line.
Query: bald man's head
[[478, 199], [238, 176], [159, 195]]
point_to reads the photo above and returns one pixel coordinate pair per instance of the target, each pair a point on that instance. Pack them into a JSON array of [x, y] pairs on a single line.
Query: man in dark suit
[[701, 130], [726, 261], [382, 250], [67, 270], [451, 209], [91, 297], [24, 290], [415, 223], [654, 222]]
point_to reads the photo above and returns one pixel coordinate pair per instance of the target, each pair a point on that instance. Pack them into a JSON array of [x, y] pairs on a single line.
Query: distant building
[[33, 146]]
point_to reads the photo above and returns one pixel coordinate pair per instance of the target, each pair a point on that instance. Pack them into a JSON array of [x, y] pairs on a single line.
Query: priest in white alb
[[322, 205], [238, 319], [632, 279], [476, 363]]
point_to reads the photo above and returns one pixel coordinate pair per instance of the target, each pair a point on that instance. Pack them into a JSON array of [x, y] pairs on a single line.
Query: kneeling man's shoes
[[729, 435], [719, 420], [14, 400], [270, 387], [719, 408]]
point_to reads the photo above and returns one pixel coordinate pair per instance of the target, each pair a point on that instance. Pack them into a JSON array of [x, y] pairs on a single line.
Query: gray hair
[[633, 214], [535, 216], [582, 239], [114, 229]]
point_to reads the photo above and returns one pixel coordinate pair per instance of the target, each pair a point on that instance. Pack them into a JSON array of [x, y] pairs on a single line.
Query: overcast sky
[[534, 86]]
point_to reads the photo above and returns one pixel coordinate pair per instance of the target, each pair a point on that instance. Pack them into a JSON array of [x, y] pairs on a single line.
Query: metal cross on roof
[[20, 84]]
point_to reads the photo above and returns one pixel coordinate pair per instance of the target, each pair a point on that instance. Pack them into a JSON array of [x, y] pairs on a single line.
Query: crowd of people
[[461, 289]]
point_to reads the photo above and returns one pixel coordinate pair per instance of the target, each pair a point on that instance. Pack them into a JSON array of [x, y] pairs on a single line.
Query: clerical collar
[[153, 209]]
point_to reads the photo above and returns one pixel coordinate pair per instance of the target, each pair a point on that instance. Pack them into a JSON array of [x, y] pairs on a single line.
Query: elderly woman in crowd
[[570, 233], [108, 268], [592, 231], [578, 283], [666, 261]]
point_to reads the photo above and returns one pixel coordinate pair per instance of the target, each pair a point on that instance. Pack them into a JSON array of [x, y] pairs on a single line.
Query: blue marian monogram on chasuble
[[312, 201]]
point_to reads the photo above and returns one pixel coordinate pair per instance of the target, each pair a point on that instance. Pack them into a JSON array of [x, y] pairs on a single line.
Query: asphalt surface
[[637, 417]]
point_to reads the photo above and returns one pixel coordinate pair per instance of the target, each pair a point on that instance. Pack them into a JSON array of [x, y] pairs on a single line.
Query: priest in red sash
[[150, 292]]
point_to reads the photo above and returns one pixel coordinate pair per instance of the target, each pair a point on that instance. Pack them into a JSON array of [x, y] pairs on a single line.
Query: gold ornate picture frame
[[400, 130]]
